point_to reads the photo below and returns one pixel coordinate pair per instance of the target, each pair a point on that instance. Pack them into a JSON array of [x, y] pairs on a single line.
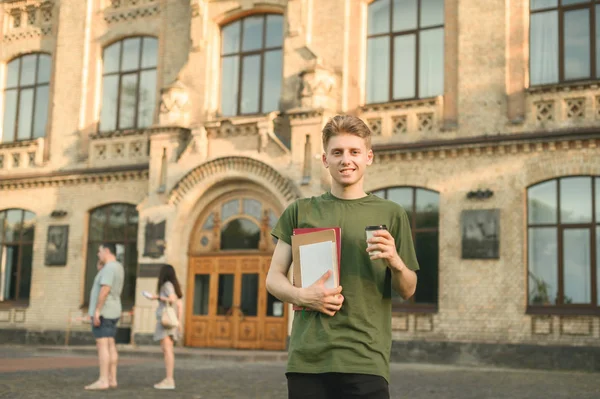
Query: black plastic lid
[[379, 227]]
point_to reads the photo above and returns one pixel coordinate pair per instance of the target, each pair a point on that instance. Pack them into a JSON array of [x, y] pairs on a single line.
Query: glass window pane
[[541, 203], [543, 48], [427, 250], [379, 193], [28, 65], [98, 220], [272, 75], [576, 200], [378, 69], [404, 66], [11, 268], [402, 196], [129, 283], [12, 226], [543, 266], [432, 13], [201, 291], [274, 306], [44, 67], [229, 209], [91, 268], [147, 98], [41, 112], [25, 114], [378, 17], [149, 52], [25, 271], [240, 234], [253, 33], [274, 31], [112, 57], [577, 266], [10, 116], [209, 222], [431, 63], [577, 44], [569, 2], [28, 228], [427, 209], [229, 85], [598, 42], [250, 84], [225, 294], [2, 222], [598, 265], [131, 54], [12, 73], [230, 37], [252, 208], [110, 94], [539, 4], [129, 87], [249, 300], [132, 223], [597, 184], [405, 15], [117, 221], [272, 219]]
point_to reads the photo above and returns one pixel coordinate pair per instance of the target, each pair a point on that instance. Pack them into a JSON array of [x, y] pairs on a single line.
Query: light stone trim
[[119, 148], [74, 179], [28, 19], [22, 154], [116, 11], [233, 163]]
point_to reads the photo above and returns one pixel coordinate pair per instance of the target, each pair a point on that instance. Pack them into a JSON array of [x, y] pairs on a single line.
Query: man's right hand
[[320, 298]]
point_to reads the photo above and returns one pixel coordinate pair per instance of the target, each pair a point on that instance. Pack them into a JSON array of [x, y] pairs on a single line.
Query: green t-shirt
[[358, 338]]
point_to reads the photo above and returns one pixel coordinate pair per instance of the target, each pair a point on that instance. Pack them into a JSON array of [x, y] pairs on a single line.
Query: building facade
[[181, 129]]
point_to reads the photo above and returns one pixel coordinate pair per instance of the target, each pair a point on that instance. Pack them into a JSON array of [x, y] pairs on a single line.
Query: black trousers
[[337, 386]]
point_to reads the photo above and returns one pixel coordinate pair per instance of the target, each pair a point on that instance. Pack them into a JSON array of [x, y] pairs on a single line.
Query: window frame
[[20, 242], [560, 307], [561, 10], [126, 304], [410, 306], [240, 54], [120, 73], [392, 35], [19, 88]]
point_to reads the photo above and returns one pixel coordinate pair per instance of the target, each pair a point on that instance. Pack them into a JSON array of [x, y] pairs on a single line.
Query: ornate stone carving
[[127, 10], [22, 154], [174, 105], [123, 147], [319, 88], [28, 19]]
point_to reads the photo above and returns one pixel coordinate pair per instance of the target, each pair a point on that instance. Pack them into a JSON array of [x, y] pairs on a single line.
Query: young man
[[341, 349], [105, 311]]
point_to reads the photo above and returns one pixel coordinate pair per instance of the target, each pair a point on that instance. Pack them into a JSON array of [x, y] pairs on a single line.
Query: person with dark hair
[[105, 310], [169, 293]]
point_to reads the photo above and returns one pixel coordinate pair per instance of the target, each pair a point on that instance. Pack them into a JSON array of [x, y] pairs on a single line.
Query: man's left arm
[[106, 282]]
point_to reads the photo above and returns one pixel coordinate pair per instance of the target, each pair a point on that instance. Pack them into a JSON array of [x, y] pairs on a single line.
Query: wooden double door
[[228, 305]]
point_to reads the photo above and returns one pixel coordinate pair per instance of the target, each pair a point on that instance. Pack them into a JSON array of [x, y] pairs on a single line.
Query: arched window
[[26, 98], [422, 207], [129, 84], [16, 254], [405, 50], [563, 237], [251, 65], [116, 223]]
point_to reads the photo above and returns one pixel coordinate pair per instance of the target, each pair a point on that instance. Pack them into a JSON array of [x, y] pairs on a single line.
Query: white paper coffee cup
[[369, 231]]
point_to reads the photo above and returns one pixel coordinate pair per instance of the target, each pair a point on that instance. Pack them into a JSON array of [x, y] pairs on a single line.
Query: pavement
[[58, 372]]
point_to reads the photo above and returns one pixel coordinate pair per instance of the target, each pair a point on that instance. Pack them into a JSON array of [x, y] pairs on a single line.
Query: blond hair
[[346, 124]]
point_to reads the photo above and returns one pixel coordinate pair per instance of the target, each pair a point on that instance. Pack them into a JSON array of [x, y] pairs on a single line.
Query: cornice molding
[[237, 164], [75, 177]]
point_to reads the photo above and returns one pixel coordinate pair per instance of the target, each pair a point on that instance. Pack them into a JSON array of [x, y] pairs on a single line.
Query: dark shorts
[[106, 329], [337, 386]]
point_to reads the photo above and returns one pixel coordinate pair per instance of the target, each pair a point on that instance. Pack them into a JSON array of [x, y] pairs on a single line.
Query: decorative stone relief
[[404, 117], [28, 19], [174, 105], [541, 325], [127, 10], [129, 147], [425, 121], [22, 154], [399, 124], [575, 108], [544, 111], [375, 126], [319, 88]]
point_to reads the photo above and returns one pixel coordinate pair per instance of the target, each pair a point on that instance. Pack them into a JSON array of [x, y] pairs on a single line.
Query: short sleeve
[[107, 275], [286, 224], [168, 288], [404, 242]]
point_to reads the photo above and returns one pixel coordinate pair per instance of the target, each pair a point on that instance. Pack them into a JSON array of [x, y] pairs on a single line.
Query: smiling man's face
[[347, 158]]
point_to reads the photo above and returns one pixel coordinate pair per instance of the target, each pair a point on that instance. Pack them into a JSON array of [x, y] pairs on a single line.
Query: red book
[[338, 240]]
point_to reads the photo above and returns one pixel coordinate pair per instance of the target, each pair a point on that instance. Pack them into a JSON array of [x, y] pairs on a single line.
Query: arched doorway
[[229, 257]]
